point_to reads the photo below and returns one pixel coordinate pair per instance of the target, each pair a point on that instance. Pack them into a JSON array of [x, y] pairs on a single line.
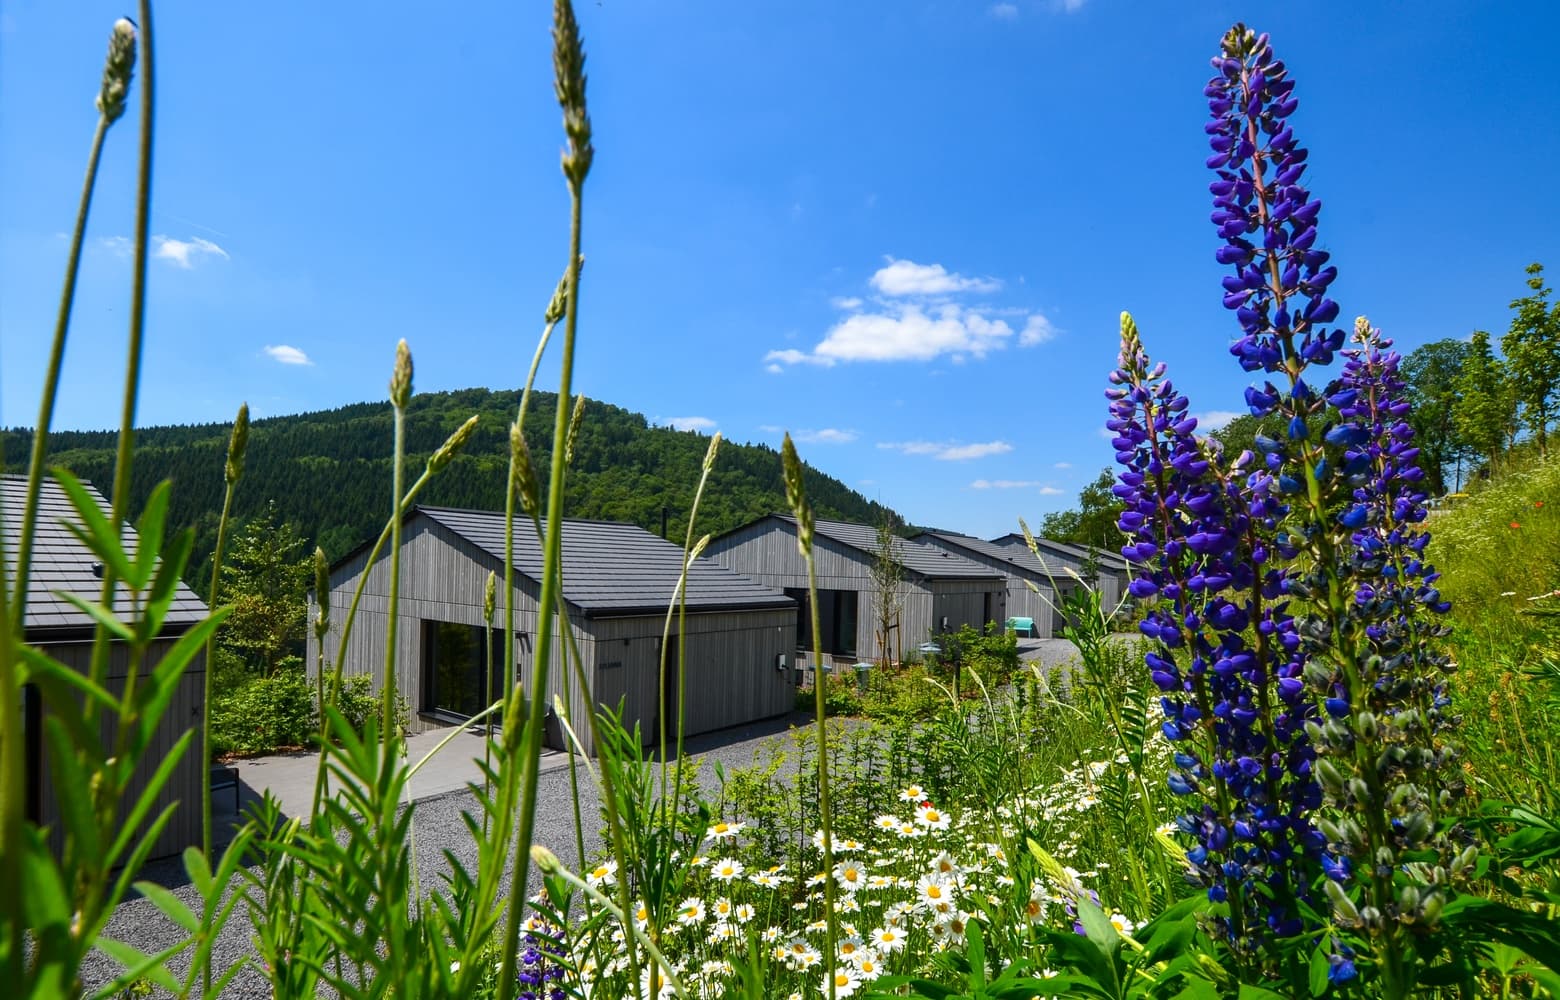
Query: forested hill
[[329, 472]]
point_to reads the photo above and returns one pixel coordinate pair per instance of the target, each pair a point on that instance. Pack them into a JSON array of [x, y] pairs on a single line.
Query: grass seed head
[[117, 71]]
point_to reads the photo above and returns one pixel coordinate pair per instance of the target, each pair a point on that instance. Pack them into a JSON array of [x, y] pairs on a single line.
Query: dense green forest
[[328, 472]]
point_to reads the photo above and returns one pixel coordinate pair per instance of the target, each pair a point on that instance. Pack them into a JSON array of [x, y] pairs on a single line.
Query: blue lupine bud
[[1298, 430]]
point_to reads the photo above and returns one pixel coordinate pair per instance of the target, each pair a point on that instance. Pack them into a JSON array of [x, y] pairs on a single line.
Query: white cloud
[[908, 333], [906, 277], [119, 246], [1050, 491], [1003, 11], [1062, 465], [1004, 484], [919, 314], [826, 435], [1212, 420], [689, 423], [773, 369], [1037, 330], [182, 252], [791, 356], [1073, 6], [284, 354], [948, 452]]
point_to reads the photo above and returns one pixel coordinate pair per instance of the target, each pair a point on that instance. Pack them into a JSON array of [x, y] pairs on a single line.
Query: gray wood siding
[[1025, 603], [767, 552], [730, 661], [183, 715], [1110, 583], [443, 579], [966, 602]]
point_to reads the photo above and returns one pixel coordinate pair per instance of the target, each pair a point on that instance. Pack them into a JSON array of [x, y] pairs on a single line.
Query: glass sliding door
[[455, 669]]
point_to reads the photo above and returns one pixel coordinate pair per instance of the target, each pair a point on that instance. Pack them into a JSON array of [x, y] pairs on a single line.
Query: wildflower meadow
[[1300, 773]]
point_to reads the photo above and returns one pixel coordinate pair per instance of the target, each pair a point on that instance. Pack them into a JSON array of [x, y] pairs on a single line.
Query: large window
[[836, 620], [455, 667]]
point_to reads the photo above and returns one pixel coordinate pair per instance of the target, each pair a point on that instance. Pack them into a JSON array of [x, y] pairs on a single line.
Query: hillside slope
[[329, 471]]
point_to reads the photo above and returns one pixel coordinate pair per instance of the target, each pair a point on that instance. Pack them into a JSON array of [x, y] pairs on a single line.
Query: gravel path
[[439, 828]]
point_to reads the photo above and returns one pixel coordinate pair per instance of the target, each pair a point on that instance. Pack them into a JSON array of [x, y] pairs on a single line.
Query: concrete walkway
[[290, 777]]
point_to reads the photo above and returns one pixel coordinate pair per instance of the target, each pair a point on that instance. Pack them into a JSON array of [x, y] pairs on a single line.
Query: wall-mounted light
[[945, 623], [780, 661]]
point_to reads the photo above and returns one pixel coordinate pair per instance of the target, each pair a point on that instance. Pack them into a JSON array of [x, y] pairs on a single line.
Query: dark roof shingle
[[614, 569], [918, 557], [62, 564]]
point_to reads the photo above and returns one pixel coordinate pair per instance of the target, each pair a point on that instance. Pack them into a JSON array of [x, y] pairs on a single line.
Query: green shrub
[[901, 693], [265, 715]]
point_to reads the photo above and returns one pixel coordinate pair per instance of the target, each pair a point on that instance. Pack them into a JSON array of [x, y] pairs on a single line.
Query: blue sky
[[902, 230]]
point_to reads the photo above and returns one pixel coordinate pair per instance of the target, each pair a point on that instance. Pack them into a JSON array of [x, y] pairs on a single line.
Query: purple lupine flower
[[1387, 676], [1225, 656], [1265, 216]]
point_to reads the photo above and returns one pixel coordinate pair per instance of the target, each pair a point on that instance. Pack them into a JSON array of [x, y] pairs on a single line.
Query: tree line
[[327, 473]]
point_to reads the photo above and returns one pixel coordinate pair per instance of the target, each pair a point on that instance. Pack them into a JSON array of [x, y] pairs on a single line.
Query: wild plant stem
[[531, 748], [13, 777], [394, 605], [825, 813], [205, 703]]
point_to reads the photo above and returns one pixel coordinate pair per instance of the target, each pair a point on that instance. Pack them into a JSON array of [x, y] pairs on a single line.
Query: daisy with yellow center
[[910, 830], [724, 830], [868, 965], [886, 823], [765, 880], [726, 869], [691, 911], [888, 940], [934, 894], [850, 876], [932, 818], [845, 983], [850, 948], [602, 874], [912, 793], [722, 909]]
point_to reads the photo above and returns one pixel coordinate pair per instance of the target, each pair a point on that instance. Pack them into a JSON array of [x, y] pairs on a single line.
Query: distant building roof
[[612, 569], [62, 564], [1106, 558], [918, 557], [1019, 558]]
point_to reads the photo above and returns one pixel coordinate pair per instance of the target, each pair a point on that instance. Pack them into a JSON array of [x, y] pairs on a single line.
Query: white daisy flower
[[850, 875], [846, 982], [603, 874], [912, 793], [886, 823], [888, 940], [691, 911], [932, 818], [726, 869], [724, 831]]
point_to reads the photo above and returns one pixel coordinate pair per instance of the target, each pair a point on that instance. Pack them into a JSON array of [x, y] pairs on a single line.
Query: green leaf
[[171, 906], [975, 949], [148, 797], [198, 870], [73, 791], [1097, 927], [45, 669], [1320, 966], [98, 534], [138, 966], [1250, 992], [149, 531]]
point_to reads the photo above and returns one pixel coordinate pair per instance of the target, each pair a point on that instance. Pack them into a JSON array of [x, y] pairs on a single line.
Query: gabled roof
[[1106, 558], [61, 563], [1021, 559], [917, 557], [612, 569]]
